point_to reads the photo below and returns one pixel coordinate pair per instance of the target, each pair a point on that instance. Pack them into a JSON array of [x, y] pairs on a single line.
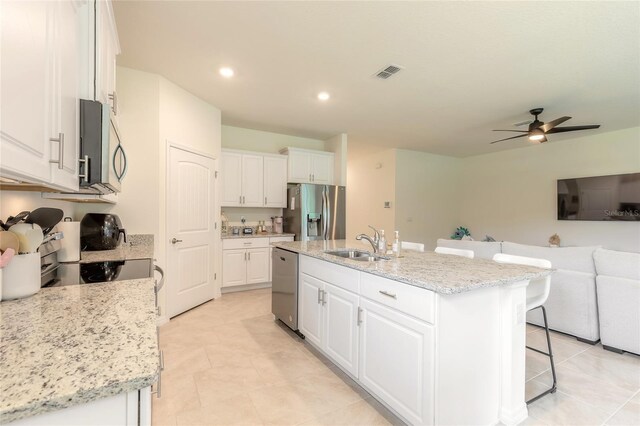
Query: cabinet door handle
[[249, 256], [309, 177], [319, 296], [313, 178], [240, 199], [85, 175], [324, 297], [265, 201], [359, 319], [386, 293], [60, 160], [245, 256], [114, 105]]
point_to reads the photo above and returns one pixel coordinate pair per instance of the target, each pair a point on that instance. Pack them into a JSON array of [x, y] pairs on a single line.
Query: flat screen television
[[608, 198]]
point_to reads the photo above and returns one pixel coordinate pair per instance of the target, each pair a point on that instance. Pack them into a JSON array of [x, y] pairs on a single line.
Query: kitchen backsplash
[[251, 215]]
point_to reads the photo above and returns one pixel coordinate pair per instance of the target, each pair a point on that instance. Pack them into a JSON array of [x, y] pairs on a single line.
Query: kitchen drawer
[[280, 239], [244, 243], [340, 276], [411, 300]]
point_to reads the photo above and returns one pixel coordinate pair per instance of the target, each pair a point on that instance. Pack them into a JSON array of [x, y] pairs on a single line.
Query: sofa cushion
[[617, 263], [481, 249], [570, 258], [571, 306], [619, 308]]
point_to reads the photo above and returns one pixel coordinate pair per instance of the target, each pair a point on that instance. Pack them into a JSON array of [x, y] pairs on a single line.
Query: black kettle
[[99, 231]]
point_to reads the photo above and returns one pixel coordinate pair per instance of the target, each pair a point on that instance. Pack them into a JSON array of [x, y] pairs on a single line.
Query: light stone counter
[[71, 345], [259, 235], [137, 247], [445, 274]]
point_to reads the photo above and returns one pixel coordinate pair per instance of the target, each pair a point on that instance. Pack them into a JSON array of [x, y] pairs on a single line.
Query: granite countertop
[[138, 246], [445, 274], [260, 235], [71, 345]]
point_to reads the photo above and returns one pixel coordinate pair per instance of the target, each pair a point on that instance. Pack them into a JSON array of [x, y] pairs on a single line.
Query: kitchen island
[[439, 339], [83, 354]]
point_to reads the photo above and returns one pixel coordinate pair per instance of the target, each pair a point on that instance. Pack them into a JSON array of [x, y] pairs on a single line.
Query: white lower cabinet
[[396, 361], [247, 260], [126, 409], [328, 316], [390, 352]]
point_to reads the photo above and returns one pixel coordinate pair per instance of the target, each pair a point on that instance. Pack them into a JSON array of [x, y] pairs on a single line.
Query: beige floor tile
[[628, 415], [225, 382], [238, 410], [589, 389], [532, 421], [185, 362], [622, 370], [562, 349], [284, 404], [163, 420], [361, 413], [179, 393], [535, 364], [286, 365], [561, 409]]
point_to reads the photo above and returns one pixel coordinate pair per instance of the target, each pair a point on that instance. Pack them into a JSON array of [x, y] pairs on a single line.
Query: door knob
[[173, 241]]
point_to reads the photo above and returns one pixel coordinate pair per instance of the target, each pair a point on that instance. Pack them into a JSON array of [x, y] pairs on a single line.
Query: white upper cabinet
[[39, 92], [26, 89], [275, 182], [231, 179], [65, 124], [308, 166], [108, 47], [253, 180]]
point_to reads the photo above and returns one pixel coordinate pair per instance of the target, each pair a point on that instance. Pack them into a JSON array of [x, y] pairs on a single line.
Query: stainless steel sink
[[359, 255]]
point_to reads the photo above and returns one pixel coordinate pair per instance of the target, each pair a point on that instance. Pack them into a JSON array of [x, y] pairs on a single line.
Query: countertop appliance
[[100, 231], [102, 157], [315, 212], [284, 287]]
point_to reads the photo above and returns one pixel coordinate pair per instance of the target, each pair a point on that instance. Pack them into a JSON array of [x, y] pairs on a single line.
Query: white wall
[[511, 195], [13, 202], [371, 173], [256, 140], [338, 145], [427, 196]]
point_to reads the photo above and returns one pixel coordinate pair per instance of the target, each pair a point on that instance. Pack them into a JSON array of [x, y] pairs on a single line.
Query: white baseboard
[[246, 287]]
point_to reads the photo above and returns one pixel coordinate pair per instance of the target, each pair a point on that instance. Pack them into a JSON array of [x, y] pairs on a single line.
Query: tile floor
[[227, 362]]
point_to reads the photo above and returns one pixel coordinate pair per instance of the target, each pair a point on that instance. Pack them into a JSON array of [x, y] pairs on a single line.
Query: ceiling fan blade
[[519, 131], [572, 128], [551, 124], [512, 137]]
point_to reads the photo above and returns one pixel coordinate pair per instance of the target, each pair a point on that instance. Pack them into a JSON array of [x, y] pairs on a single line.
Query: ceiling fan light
[[536, 135]]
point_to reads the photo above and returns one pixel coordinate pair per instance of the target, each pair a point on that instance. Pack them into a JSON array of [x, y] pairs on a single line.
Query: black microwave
[[103, 161]]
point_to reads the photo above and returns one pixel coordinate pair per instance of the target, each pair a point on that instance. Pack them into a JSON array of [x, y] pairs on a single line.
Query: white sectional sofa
[[572, 305], [484, 250], [618, 287]]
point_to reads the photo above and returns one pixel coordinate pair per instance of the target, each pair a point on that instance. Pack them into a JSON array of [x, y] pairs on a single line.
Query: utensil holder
[[21, 277]]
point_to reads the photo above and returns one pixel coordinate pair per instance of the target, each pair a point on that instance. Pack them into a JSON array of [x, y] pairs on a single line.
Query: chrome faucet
[[373, 241]]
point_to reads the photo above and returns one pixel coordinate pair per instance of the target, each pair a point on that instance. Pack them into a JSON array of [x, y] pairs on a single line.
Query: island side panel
[[468, 358]]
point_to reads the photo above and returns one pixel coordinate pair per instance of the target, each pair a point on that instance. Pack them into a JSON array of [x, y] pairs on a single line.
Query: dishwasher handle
[[160, 284]]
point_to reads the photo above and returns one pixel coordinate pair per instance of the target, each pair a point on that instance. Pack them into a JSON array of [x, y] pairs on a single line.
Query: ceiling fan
[[539, 130]]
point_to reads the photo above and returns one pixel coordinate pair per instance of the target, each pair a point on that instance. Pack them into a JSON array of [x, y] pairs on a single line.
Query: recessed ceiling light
[[323, 96], [226, 72]]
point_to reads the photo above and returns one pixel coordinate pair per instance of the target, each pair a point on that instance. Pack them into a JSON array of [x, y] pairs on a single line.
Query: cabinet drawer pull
[[60, 160], [324, 297], [359, 320], [319, 296], [85, 175], [386, 293]]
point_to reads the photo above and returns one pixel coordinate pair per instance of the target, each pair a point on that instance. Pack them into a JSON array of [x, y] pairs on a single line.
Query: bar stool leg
[[550, 355]]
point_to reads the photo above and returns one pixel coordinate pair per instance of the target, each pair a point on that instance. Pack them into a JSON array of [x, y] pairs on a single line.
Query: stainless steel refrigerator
[[315, 212]]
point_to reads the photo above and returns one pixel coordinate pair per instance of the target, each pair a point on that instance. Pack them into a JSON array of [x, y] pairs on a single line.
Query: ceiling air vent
[[388, 71]]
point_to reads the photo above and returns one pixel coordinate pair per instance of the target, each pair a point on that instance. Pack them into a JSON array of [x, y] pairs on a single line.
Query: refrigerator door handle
[[327, 213]]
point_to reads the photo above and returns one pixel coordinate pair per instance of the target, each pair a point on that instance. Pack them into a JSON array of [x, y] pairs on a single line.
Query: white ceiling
[[469, 66]]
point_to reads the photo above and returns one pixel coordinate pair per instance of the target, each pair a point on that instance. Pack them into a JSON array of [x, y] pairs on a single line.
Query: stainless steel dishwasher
[[284, 287]]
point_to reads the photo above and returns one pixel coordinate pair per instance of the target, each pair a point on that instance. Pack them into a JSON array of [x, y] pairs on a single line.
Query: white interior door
[[190, 230]]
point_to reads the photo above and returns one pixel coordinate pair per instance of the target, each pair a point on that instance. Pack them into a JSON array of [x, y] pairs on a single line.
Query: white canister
[[70, 242], [21, 277]]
